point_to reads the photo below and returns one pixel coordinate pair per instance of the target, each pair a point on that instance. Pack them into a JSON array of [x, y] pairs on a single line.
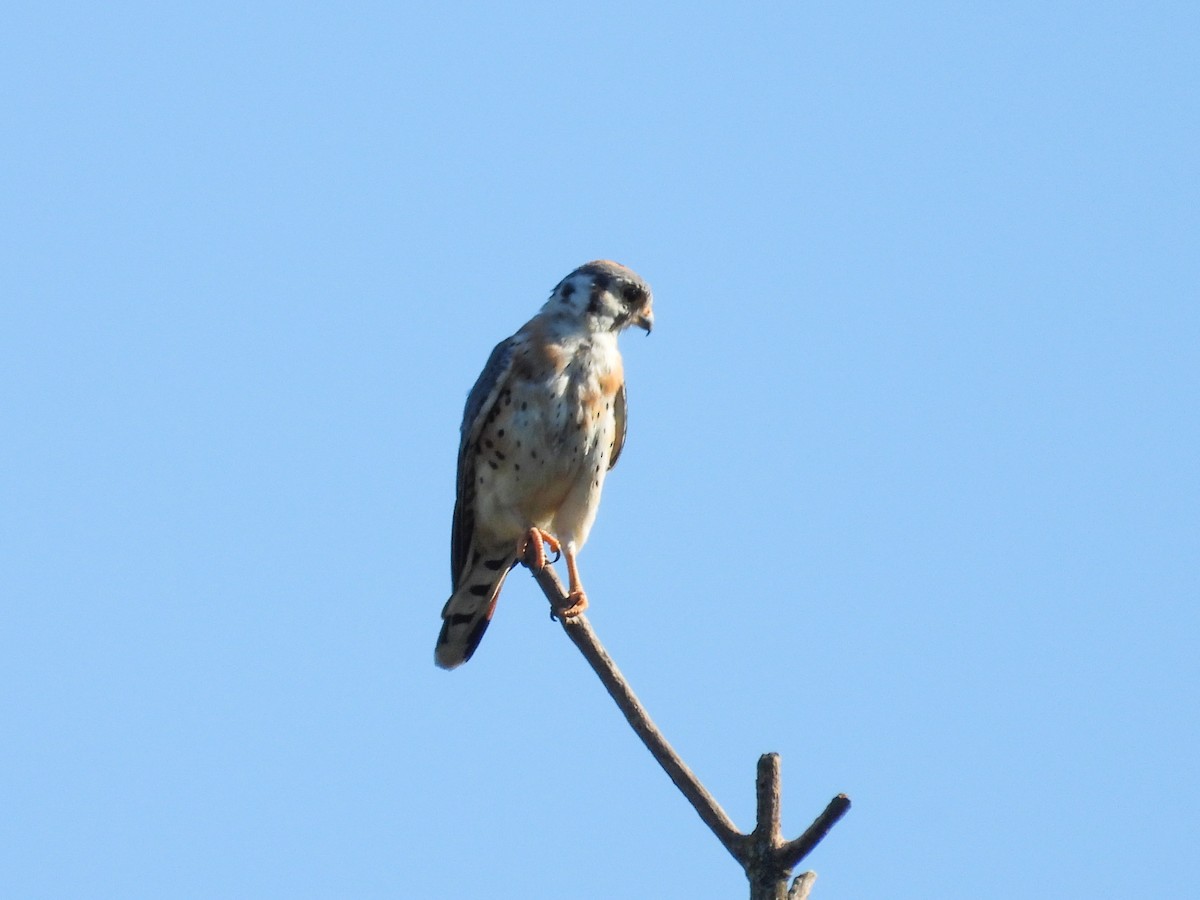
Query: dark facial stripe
[[598, 288]]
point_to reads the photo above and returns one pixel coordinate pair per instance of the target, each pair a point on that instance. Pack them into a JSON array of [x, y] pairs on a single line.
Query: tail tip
[[448, 657]]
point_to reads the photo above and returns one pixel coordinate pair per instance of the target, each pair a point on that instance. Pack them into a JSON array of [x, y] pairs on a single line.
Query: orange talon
[[534, 542], [579, 602], [575, 593]]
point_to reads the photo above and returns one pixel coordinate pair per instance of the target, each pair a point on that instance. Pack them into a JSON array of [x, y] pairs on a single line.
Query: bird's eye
[[631, 293]]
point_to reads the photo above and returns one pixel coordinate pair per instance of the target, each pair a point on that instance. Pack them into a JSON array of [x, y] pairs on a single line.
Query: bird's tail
[[468, 612]]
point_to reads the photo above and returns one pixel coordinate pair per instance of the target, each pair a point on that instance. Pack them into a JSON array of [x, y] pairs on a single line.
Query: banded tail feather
[[468, 612]]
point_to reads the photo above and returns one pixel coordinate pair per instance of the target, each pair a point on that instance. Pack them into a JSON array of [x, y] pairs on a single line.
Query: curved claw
[[551, 542], [579, 602], [531, 548]]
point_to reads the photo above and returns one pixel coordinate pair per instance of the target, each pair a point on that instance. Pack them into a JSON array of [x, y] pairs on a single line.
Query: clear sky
[[911, 493]]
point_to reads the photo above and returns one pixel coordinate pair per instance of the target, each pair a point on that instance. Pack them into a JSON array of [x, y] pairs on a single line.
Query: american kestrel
[[542, 426]]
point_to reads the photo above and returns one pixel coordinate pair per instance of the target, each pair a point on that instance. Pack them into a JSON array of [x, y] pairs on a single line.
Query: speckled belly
[[542, 462]]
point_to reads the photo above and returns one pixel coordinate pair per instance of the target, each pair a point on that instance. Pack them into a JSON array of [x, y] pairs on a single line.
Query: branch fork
[[763, 854]]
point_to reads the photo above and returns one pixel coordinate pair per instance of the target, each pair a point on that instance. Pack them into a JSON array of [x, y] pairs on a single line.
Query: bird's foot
[[579, 602], [531, 549]]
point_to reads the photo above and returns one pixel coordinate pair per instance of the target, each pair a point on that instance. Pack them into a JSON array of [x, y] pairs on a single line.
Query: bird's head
[[603, 296]]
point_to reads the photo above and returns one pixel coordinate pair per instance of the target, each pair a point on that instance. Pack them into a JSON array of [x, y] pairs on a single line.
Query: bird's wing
[[621, 425], [479, 403]]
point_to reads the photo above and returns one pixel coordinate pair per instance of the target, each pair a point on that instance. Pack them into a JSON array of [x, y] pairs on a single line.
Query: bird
[[542, 426]]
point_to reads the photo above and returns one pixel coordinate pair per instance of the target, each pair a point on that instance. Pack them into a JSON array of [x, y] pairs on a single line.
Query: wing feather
[[479, 403], [619, 433]]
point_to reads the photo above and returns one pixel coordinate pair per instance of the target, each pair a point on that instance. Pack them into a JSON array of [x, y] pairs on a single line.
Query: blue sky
[[911, 493]]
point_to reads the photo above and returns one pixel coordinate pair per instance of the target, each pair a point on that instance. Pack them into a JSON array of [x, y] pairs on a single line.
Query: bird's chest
[[564, 416], [553, 431]]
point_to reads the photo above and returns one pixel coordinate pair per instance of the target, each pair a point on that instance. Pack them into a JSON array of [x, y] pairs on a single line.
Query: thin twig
[[580, 632], [792, 852]]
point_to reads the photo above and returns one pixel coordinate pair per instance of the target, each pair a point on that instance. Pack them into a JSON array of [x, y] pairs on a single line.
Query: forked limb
[[763, 853]]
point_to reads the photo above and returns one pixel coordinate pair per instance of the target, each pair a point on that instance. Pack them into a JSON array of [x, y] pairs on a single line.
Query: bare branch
[[580, 632], [792, 852], [768, 828], [802, 886], [766, 858]]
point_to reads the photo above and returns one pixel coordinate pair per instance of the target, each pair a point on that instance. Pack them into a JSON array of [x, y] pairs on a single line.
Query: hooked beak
[[645, 320]]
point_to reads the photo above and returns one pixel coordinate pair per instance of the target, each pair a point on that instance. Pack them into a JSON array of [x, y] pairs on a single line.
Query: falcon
[[542, 426]]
